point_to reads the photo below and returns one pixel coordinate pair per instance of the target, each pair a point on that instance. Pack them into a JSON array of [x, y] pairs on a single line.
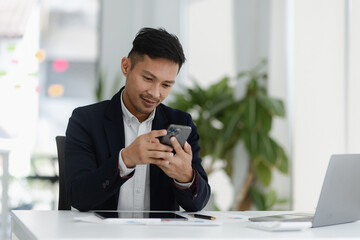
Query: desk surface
[[53, 225]]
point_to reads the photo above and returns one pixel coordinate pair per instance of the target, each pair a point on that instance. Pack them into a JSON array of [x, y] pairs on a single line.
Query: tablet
[[138, 215]]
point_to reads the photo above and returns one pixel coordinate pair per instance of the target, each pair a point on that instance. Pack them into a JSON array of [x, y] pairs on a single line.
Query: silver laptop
[[339, 200]]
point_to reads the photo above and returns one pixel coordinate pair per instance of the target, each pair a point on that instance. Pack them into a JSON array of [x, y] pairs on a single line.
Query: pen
[[202, 216]]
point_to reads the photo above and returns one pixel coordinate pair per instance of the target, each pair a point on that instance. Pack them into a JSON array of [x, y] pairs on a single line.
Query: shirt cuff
[[124, 171], [184, 186]]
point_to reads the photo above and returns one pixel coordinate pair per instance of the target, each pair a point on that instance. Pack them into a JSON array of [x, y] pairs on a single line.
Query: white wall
[[211, 54], [120, 20], [251, 32], [319, 127], [279, 87], [313, 65], [354, 82]]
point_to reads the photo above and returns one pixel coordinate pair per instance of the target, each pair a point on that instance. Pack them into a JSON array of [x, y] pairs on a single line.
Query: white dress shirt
[[135, 193]]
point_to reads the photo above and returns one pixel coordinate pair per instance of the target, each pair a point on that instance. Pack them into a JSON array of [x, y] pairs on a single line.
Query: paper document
[[155, 221], [222, 217]]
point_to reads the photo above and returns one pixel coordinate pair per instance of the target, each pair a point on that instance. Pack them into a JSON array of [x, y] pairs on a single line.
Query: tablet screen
[[129, 215]]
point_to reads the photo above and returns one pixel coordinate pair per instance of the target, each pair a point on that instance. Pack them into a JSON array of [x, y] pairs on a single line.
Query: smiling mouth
[[148, 102]]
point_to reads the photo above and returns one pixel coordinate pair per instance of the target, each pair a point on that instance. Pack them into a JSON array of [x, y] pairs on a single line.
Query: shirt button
[[137, 191]]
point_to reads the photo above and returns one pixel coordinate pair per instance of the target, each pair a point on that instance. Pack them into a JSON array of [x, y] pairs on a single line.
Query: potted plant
[[223, 121]]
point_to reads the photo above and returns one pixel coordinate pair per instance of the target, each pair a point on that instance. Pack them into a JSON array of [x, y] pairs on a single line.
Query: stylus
[[202, 216]]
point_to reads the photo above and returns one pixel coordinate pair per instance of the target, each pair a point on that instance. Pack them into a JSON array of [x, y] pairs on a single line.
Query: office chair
[[63, 202]]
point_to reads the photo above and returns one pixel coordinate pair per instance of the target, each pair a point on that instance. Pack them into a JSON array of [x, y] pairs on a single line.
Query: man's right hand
[[147, 149]]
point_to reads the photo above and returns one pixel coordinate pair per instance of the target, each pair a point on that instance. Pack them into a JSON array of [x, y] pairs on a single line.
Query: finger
[[187, 148], [160, 163], [155, 140], [160, 155], [160, 146], [157, 146], [175, 143], [157, 133]]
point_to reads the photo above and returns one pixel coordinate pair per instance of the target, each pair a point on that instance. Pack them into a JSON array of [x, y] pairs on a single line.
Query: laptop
[[339, 200]]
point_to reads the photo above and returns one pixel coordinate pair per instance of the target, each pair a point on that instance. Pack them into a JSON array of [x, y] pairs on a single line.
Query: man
[[114, 159]]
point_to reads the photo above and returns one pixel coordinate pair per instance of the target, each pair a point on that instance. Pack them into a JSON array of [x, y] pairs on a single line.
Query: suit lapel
[[160, 122], [114, 125]]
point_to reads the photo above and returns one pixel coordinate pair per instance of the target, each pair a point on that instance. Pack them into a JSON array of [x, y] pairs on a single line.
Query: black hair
[[156, 43]]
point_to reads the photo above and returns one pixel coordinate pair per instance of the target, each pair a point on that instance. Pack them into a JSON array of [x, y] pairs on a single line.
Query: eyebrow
[[153, 76]]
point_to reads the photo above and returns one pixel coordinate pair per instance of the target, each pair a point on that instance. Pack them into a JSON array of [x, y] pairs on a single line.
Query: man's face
[[148, 83]]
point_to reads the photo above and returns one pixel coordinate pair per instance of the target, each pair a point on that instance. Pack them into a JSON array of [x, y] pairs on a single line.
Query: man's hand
[[179, 166], [147, 149]]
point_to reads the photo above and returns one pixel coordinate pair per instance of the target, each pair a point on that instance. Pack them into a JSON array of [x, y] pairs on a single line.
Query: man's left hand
[[179, 166]]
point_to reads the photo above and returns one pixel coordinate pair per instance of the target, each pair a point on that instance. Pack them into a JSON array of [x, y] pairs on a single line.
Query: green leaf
[[221, 106], [268, 149], [250, 112], [273, 105], [282, 201], [181, 102], [229, 166], [251, 144], [99, 88], [252, 86], [270, 199], [263, 173], [282, 160], [264, 120], [241, 75], [231, 125], [258, 199]]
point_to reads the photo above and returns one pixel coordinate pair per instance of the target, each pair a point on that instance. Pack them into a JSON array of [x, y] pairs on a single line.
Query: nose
[[155, 91]]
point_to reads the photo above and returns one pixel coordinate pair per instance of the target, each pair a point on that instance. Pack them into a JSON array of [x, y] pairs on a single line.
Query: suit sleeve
[[92, 179], [196, 197]]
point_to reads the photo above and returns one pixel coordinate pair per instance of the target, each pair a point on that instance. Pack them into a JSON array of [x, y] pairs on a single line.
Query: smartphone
[[181, 132]]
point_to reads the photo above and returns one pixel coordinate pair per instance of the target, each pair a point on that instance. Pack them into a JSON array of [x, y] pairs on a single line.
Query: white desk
[[41, 225]]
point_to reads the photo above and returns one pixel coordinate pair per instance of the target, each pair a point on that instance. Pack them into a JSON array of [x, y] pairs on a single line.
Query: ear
[[125, 66]]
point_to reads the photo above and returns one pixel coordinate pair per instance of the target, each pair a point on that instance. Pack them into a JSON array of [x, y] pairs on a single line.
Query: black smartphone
[[181, 132]]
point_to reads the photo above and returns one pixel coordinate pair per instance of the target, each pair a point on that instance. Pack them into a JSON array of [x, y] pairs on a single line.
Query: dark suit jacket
[[94, 138]]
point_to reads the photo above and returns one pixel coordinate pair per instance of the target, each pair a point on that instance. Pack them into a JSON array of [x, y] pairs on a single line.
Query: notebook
[[339, 200]]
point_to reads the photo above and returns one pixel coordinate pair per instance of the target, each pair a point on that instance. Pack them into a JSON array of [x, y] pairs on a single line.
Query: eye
[[147, 78], [165, 85]]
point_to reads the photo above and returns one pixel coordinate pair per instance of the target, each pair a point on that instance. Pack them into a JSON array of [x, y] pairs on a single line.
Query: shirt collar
[[128, 116]]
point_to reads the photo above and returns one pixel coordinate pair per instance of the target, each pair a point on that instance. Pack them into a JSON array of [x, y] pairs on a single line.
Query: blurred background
[[276, 80]]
